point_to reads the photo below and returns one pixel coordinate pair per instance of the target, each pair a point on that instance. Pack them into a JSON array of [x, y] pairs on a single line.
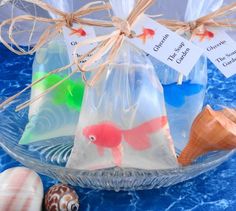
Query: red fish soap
[[21, 189], [108, 135]]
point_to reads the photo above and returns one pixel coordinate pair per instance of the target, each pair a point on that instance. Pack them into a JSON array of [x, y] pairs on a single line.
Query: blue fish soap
[[176, 94], [183, 101]]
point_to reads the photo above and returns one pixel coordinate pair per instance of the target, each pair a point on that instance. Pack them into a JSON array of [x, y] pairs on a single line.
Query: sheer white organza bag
[[123, 119]]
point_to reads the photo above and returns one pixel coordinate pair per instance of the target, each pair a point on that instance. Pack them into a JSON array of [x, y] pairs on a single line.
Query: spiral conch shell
[[21, 189], [211, 131], [61, 197]]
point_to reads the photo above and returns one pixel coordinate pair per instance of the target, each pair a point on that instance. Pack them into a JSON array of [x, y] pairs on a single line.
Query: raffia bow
[[112, 43]]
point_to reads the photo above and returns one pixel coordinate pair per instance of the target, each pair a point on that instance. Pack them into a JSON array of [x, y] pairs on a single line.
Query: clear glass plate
[[50, 160]]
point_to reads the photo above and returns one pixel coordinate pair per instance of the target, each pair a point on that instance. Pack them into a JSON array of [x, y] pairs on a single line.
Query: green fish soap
[[69, 93], [56, 113]]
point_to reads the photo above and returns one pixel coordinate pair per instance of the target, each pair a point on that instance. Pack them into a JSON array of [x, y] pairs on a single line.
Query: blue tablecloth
[[214, 190]]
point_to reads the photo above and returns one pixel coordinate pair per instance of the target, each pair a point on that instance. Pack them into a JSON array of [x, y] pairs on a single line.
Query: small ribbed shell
[[61, 197]]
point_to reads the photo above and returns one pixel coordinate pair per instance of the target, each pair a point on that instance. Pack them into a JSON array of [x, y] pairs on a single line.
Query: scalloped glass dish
[[50, 160]]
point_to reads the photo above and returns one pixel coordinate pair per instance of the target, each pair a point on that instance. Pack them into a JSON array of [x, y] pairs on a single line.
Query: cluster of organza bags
[[137, 115]]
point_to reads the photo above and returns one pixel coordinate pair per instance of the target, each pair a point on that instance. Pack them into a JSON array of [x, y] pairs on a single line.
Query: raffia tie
[[56, 24], [111, 43], [210, 20], [69, 19], [123, 26]]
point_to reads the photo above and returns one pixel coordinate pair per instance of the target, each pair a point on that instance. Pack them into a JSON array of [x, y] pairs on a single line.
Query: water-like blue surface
[[215, 190]]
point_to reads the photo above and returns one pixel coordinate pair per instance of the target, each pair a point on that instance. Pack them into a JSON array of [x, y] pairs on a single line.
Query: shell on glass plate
[[211, 131], [61, 197], [21, 189]]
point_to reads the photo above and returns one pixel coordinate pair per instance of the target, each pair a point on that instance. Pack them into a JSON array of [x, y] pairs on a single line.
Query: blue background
[[214, 190]]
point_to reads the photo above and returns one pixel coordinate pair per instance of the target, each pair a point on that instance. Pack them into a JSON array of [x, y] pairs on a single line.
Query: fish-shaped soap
[[108, 135], [21, 189], [69, 93], [61, 197], [175, 94]]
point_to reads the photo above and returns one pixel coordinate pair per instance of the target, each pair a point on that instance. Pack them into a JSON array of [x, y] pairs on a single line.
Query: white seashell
[[21, 189]]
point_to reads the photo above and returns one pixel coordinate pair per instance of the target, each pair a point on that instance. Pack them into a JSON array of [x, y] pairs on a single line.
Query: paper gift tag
[[165, 45], [220, 48], [75, 35]]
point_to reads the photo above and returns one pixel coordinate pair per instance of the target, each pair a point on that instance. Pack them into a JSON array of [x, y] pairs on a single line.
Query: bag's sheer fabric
[[123, 118]]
